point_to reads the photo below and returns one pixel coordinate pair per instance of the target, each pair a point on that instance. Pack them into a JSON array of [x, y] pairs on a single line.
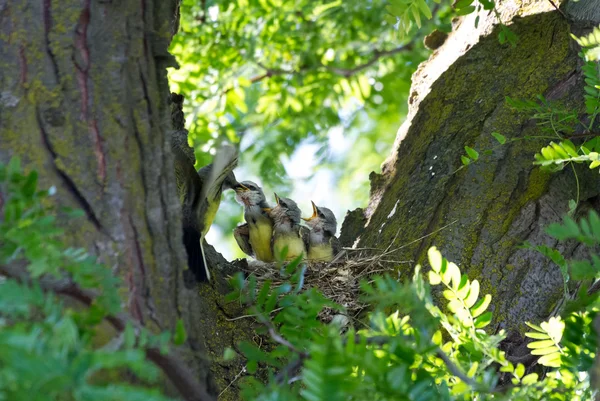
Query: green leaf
[[473, 154], [229, 354], [434, 278], [320, 9], [483, 320], [390, 19], [520, 370], [499, 137], [465, 160], [551, 360], [180, 335], [538, 336], [422, 4], [465, 11], [451, 276], [530, 379], [463, 3], [535, 327], [481, 305], [473, 294], [540, 344], [544, 351], [435, 259]]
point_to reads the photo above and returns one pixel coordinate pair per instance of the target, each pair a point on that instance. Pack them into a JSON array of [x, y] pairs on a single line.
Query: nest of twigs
[[338, 280]]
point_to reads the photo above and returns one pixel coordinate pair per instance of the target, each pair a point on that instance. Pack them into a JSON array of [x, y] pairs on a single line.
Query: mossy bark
[[83, 100], [480, 214]]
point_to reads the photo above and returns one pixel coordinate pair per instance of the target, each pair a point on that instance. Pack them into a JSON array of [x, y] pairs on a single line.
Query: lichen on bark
[[83, 100], [480, 214]]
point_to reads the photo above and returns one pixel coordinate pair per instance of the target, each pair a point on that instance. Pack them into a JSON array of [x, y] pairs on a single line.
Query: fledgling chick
[[286, 229], [254, 237], [321, 242]]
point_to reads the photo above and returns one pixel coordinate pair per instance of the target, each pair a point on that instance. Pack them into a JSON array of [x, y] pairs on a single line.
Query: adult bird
[[254, 237], [287, 223], [200, 195], [321, 242]]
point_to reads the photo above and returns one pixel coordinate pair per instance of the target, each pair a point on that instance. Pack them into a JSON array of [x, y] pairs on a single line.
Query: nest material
[[338, 280]]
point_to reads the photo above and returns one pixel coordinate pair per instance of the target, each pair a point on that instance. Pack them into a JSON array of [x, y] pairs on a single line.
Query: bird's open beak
[[276, 197], [315, 212]]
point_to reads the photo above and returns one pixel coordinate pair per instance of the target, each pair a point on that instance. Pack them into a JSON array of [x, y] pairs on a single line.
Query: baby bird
[[254, 237], [321, 242], [286, 229]]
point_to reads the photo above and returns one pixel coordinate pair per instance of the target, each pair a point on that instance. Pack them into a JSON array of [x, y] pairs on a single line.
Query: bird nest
[[339, 280]]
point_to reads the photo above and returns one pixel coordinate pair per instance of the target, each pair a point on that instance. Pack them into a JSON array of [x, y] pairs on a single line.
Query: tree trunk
[[479, 215], [83, 100]]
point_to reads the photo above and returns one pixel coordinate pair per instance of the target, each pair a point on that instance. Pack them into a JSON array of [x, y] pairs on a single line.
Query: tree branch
[[173, 367], [377, 54], [345, 72]]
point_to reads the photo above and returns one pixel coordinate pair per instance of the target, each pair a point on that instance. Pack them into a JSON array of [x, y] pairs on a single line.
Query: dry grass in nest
[[338, 280]]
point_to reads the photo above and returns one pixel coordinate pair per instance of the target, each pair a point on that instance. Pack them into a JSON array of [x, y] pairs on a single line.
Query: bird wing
[[224, 162], [242, 237], [336, 247], [305, 235], [211, 178]]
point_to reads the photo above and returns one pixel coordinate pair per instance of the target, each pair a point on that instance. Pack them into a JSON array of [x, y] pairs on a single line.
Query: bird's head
[[322, 219], [285, 210], [248, 194], [231, 182]]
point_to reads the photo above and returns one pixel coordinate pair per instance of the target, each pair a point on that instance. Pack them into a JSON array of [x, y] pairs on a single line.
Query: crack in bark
[[146, 96], [147, 296], [47, 27], [23, 62], [134, 304], [82, 79], [69, 183]]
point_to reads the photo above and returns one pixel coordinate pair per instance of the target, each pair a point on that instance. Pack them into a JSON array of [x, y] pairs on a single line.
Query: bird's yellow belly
[[295, 246], [320, 253], [260, 240], [209, 217]]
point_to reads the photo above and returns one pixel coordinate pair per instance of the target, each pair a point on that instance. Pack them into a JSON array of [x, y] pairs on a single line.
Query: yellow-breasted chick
[[320, 241], [287, 222], [254, 237]]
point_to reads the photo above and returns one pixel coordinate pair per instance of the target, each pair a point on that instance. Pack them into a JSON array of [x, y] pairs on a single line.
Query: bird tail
[[196, 260]]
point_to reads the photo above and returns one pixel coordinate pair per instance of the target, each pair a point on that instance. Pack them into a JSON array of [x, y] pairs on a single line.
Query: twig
[[455, 370], [558, 9], [245, 316], [347, 72], [175, 369], [233, 381]]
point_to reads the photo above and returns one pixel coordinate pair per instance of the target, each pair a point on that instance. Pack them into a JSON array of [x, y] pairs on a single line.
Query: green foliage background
[[272, 75]]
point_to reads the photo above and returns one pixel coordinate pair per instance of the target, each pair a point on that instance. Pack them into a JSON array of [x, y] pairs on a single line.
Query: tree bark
[[83, 100], [479, 215]]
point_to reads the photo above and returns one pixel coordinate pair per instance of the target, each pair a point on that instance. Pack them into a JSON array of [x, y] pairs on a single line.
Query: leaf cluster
[[417, 352], [48, 350], [271, 74]]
